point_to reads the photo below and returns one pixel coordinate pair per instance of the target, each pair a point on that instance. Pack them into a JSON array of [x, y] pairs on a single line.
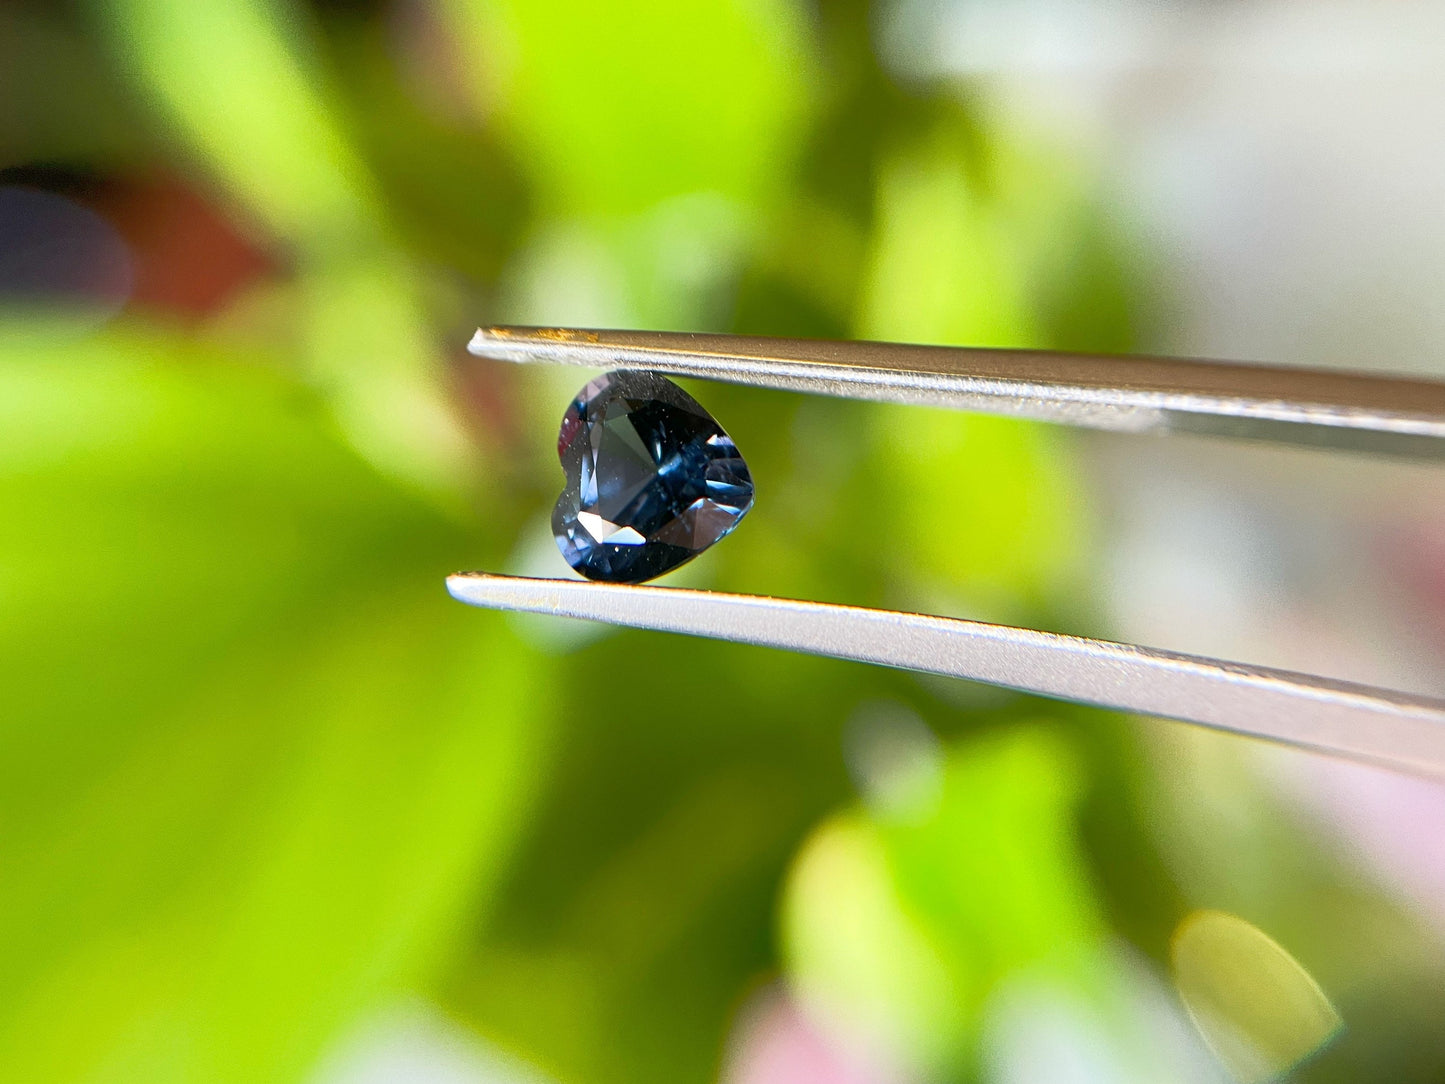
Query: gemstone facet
[[652, 479]]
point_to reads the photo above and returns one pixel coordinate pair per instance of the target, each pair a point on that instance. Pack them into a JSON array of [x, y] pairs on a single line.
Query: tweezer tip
[[494, 341], [496, 591], [458, 582], [485, 338]]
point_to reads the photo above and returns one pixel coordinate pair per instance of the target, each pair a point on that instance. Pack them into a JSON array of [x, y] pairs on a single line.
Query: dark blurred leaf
[[454, 194], [62, 102]]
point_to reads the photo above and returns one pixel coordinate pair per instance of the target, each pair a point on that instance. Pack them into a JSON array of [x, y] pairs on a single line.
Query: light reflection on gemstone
[[652, 479]]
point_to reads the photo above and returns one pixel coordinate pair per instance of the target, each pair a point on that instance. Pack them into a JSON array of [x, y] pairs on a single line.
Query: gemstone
[[652, 479]]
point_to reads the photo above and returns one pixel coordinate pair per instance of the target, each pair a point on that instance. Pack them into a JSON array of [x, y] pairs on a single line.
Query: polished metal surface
[[1375, 725], [1353, 411], [1131, 394]]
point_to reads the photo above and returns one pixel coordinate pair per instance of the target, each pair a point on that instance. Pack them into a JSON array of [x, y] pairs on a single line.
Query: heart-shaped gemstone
[[652, 479]]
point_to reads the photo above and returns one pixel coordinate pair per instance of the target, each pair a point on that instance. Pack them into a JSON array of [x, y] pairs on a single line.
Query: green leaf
[[237, 85], [234, 82], [254, 765], [985, 507], [619, 107], [899, 929], [1255, 1004], [657, 139]]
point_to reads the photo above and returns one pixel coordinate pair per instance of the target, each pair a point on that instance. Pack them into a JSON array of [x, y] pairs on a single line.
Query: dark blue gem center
[[652, 479]]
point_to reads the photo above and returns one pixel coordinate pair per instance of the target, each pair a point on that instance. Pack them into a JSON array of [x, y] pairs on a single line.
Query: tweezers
[[1360, 412]]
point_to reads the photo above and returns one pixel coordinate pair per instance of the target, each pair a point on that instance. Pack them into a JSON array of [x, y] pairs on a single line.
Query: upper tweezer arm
[[1403, 417], [1131, 394]]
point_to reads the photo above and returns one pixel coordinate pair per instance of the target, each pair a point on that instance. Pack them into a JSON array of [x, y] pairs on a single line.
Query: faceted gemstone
[[652, 479]]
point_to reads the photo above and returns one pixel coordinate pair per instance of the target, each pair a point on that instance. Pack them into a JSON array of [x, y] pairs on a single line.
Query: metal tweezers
[[1129, 394]]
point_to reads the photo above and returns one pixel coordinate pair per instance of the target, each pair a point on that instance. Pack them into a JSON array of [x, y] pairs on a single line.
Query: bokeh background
[[273, 808]]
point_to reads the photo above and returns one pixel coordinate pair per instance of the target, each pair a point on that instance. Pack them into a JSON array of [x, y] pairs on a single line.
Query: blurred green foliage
[[1260, 1027], [261, 778], [938, 937], [245, 787]]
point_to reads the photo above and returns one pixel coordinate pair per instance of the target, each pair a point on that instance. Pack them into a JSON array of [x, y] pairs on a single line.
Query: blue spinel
[[652, 479]]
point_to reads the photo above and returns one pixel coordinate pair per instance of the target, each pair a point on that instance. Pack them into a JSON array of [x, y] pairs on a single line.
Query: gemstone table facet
[[652, 479]]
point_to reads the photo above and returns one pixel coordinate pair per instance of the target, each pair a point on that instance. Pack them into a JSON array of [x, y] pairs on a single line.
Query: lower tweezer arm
[[1356, 721]]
